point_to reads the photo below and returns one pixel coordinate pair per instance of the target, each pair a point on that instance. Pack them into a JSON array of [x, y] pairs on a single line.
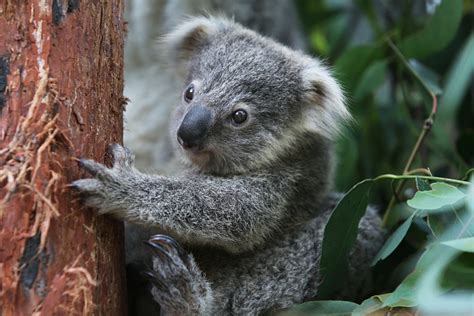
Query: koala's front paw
[[178, 285], [107, 191]]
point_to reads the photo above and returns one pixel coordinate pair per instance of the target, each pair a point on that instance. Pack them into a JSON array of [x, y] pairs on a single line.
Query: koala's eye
[[189, 93], [239, 116]]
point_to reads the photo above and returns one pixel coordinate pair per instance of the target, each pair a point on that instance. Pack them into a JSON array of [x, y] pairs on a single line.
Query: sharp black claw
[[169, 241], [88, 165], [148, 275], [72, 185], [81, 162], [151, 277], [161, 250]]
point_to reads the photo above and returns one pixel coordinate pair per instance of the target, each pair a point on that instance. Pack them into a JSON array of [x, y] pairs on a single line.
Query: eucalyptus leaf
[[455, 87], [431, 297], [340, 234], [353, 63], [437, 224], [372, 78], [431, 79], [405, 294], [441, 195], [454, 224], [401, 303], [422, 184], [459, 274], [470, 197], [368, 306], [315, 308], [463, 244], [348, 153], [394, 240], [437, 33], [457, 81], [468, 175]]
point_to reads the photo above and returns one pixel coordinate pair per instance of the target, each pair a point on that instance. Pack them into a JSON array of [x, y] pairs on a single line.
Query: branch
[[428, 124]]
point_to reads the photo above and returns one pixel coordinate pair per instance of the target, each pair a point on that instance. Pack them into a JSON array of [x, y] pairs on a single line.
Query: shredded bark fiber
[[61, 83]]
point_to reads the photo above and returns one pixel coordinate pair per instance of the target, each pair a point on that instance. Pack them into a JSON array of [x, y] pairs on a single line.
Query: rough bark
[[61, 83]]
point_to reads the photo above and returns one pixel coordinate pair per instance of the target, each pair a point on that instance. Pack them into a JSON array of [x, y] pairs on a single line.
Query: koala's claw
[[165, 244], [174, 277], [86, 185], [93, 167], [168, 242], [104, 191], [160, 249], [151, 277]]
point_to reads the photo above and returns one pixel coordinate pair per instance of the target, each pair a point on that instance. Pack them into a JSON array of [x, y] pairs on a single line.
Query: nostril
[[180, 140], [186, 144]]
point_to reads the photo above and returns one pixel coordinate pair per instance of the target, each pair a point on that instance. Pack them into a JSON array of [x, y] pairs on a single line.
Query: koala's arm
[[238, 211]]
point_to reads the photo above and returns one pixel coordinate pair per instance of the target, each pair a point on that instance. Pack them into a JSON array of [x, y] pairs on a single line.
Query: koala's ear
[[180, 44], [325, 106]]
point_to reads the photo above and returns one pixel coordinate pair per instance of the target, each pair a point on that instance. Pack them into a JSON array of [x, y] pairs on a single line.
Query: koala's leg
[[179, 286]]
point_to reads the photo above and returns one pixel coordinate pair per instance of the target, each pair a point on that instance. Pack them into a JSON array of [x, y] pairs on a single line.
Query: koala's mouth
[[199, 157]]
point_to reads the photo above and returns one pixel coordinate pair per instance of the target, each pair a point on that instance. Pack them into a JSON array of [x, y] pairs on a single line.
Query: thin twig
[[425, 171], [428, 124], [405, 177]]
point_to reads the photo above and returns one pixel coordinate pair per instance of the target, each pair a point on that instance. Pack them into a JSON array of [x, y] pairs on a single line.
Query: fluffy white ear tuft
[[326, 110], [181, 43]]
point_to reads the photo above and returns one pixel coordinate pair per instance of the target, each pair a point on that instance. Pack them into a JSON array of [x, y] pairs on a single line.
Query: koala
[[152, 87], [241, 227]]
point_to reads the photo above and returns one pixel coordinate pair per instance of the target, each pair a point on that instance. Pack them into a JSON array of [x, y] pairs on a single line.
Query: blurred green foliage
[[388, 103], [407, 68]]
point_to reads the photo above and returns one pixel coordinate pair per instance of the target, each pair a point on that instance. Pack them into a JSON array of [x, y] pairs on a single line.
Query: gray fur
[[252, 204], [153, 88]]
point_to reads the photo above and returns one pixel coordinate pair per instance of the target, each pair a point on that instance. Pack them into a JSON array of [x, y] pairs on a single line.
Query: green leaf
[[400, 303], [470, 197], [353, 63], [432, 298], [368, 306], [455, 87], [340, 234], [319, 308], [441, 195], [372, 78], [437, 224], [457, 81], [429, 77], [348, 155], [376, 303], [437, 33], [433, 261], [405, 294], [452, 224], [459, 274], [467, 175], [394, 240], [422, 184], [463, 244]]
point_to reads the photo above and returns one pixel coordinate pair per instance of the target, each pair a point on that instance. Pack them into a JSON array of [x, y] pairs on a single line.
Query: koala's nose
[[194, 127]]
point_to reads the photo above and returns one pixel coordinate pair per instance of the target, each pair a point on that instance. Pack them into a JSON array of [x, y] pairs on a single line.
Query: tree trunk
[[61, 82]]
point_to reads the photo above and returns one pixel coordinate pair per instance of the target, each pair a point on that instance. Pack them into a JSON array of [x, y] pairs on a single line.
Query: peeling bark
[[61, 83]]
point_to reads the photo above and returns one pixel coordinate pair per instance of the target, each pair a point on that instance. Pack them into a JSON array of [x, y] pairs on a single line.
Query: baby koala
[[254, 129]]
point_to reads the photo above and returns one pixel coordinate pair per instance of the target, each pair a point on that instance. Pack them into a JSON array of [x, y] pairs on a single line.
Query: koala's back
[[285, 270]]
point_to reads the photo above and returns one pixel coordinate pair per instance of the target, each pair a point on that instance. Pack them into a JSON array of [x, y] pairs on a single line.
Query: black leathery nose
[[194, 126]]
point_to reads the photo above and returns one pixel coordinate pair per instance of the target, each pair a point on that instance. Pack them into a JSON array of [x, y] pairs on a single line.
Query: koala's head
[[247, 100]]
